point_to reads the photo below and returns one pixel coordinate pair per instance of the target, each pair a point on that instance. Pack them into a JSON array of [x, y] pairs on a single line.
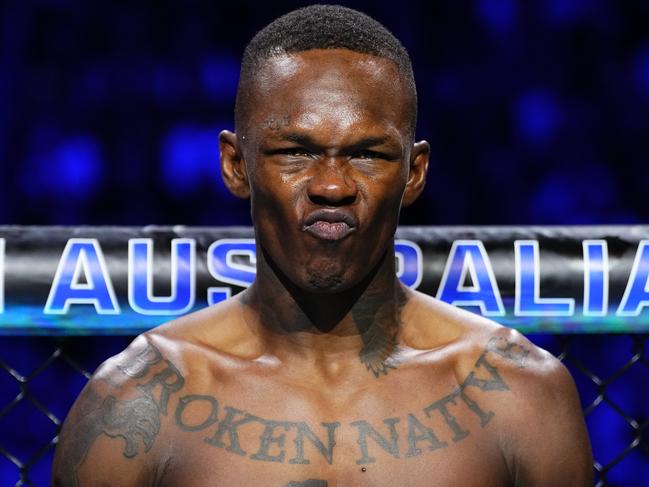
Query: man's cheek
[[388, 206]]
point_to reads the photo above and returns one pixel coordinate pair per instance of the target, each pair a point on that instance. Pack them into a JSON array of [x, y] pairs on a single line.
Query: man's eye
[[294, 151], [368, 154]]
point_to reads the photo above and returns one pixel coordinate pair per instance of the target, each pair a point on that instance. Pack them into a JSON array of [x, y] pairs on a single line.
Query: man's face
[[327, 151]]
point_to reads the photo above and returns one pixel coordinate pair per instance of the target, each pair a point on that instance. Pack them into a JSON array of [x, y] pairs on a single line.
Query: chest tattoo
[[137, 421]]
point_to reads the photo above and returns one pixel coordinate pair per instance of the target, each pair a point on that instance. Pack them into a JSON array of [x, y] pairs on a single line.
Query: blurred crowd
[[536, 111]]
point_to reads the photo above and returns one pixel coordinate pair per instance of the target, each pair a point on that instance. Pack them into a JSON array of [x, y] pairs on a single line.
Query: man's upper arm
[[109, 436], [548, 441]]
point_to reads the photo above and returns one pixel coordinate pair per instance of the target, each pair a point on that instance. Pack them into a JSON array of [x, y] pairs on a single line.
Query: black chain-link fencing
[[41, 376]]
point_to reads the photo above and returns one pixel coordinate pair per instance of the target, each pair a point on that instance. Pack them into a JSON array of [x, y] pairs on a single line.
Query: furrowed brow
[[367, 142], [304, 139], [300, 139]]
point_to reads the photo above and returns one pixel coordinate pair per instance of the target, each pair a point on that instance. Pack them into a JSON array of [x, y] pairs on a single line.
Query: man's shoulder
[[180, 345], [524, 391], [130, 396], [127, 398], [214, 323], [473, 343]]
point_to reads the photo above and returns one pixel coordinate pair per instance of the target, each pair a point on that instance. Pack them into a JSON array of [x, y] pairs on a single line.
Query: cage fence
[[41, 376]]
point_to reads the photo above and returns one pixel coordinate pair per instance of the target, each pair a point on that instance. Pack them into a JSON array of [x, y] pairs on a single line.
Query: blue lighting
[[498, 15], [537, 115], [641, 71], [566, 11], [190, 159], [220, 76], [79, 166], [73, 169]]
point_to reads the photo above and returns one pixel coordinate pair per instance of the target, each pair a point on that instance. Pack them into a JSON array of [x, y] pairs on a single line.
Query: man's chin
[[326, 283], [327, 277]]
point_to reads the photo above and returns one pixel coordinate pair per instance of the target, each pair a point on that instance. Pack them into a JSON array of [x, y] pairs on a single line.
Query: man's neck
[[363, 320]]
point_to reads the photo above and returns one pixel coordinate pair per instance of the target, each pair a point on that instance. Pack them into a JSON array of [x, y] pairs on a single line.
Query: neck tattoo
[[381, 322], [378, 352]]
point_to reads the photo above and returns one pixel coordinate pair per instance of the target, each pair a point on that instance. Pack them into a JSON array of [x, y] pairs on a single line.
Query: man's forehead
[[326, 62], [275, 123], [334, 87], [290, 59]]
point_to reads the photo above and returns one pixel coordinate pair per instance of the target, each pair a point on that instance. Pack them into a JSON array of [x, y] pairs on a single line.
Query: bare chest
[[355, 457], [465, 467], [408, 433]]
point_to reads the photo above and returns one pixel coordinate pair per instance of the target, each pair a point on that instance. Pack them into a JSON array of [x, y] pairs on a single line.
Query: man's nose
[[331, 184]]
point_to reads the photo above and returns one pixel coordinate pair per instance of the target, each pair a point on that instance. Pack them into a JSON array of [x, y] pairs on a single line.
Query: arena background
[[537, 113]]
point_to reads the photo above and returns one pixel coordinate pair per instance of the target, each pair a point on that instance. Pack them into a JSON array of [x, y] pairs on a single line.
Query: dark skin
[[327, 371]]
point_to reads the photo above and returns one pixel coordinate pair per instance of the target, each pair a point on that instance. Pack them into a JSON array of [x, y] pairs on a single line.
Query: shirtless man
[[326, 371]]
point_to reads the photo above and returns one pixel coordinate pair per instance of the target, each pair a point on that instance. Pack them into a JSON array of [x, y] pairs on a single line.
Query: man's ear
[[418, 170], [233, 167]]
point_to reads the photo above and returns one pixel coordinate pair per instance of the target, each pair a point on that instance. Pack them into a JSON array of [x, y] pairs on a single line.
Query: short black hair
[[323, 27]]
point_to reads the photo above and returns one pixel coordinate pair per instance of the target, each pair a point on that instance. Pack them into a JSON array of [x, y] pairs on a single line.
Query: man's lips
[[330, 224]]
